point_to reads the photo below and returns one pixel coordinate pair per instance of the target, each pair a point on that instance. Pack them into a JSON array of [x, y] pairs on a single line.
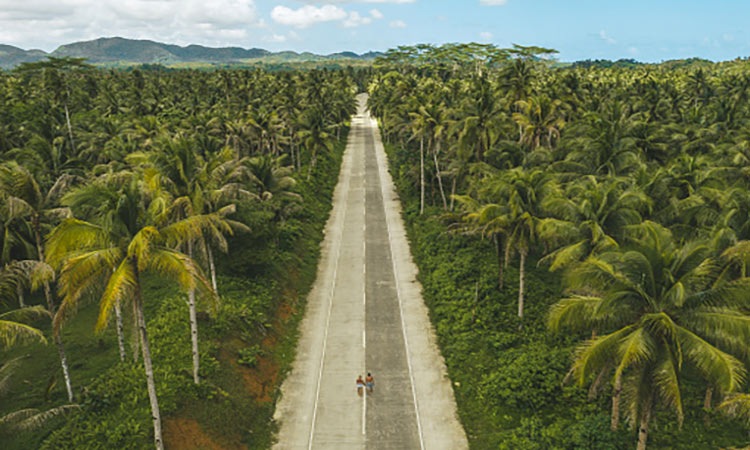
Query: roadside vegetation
[[160, 233], [582, 239]]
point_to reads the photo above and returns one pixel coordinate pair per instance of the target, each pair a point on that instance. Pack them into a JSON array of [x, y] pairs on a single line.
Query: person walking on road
[[360, 385], [370, 382]]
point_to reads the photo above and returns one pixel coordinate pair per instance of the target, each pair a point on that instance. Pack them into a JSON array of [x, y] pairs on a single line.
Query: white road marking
[[364, 292], [328, 321], [401, 309]]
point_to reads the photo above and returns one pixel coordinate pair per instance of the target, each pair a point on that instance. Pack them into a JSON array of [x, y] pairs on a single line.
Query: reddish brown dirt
[[259, 381], [181, 433]]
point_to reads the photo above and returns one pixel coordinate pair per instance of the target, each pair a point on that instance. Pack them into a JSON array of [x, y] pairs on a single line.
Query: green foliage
[[248, 356], [114, 115]]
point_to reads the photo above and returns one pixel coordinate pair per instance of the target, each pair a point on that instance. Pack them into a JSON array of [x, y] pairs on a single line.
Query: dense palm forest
[[582, 239], [160, 229]]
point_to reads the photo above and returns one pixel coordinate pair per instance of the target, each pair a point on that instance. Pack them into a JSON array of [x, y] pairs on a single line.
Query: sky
[[646, 30]]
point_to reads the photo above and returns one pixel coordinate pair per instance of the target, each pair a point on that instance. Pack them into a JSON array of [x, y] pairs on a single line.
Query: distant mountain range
[[117, 50]]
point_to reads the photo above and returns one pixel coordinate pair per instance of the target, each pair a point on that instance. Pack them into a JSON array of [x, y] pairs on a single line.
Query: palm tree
[[24, 200], [589, 218], [180, 177], [89, 255], [314, 134], [659, 305]]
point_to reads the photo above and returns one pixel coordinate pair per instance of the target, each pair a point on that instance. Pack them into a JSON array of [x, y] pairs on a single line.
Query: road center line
[[373, 125]]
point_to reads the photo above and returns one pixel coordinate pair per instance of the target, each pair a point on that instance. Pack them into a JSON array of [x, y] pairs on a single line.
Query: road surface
[[365, 314]]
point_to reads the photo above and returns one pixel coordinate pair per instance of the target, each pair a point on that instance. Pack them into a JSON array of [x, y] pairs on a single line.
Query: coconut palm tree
[[589, 219], [24, 199], [658, 305], [88, 255]]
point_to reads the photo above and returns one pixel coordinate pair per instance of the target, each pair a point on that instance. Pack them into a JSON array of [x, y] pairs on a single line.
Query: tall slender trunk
[[212, 267], [421, 175], [643, 428], [19, 292], [597, 382], [521, 282], [707, 399], [120, 337], [615, 419], [70, 129], [312, 164], [193, 324], [64, 364], [437, 172], [137, 339], [155, 414], [51, 309]]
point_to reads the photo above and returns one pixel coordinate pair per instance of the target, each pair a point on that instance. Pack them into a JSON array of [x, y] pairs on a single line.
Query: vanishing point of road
[[365, 314]]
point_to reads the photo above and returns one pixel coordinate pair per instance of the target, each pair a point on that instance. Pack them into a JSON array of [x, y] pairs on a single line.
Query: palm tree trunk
[[155, 415], [64, 363], [643, 428], [51, 309], [19, 292], [120, 337], [212, 267], [521, 282], [137, 343], [70, 129], [193, 324], [437, 172], [707, 399], [615, 419], [421, 175], [597, 382]]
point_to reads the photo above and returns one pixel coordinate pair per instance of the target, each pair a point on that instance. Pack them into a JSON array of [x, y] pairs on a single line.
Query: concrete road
[[365, 314]]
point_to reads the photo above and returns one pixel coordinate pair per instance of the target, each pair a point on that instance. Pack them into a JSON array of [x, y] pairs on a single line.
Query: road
[[365, 314]]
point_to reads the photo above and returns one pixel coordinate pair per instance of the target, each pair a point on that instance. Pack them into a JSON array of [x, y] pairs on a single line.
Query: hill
[[117, 50], [12, 56]]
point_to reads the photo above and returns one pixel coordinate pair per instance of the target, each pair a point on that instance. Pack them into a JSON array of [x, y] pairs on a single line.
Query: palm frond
[[141, 245], [12, 332], [121, 287], [737, 405], [72, 235], [720, 368], [634, 349], [668, 385], [181, 268], [594, 354], [577, 312]]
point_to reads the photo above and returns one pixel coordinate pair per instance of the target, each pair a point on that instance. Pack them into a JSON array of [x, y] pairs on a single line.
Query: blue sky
[[652, 30]]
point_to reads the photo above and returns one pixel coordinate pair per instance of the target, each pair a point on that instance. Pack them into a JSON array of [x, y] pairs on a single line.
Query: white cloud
[[307, 15], [493, 2], [356, 20], [486, 36], [218, 22], [603, 35], [275, 38], [397, 24], [376, 14]]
